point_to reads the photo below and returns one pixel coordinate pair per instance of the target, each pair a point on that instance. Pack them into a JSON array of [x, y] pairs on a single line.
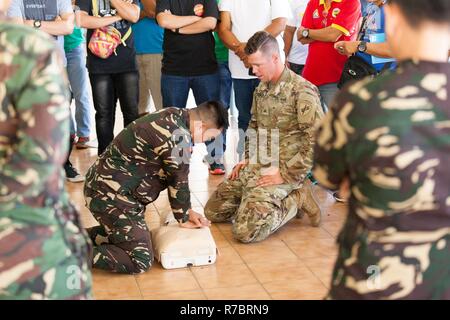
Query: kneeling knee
[[246, 235], [142, 260]]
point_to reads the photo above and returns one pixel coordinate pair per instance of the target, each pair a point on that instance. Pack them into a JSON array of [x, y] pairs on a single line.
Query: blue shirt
[[374, 27], [364, 4], [148, 36]]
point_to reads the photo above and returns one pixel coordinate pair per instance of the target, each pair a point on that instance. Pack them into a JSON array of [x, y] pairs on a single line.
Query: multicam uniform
[[391, 138], [143, 160], [288, 112], [44, 251]]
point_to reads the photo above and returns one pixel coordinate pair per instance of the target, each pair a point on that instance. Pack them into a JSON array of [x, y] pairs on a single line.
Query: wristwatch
[[37, 24], [305, 33], [362, 46]]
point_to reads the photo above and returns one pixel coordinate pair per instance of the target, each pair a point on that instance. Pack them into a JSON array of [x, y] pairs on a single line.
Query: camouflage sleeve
[[330, 150], [176, 168], [309, 114], [252, 126], [40, 99]]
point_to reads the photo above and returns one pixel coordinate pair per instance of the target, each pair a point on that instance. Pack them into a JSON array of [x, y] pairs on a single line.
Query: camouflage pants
[[44, 254], [256, 212], [122, 241], [379, 270]]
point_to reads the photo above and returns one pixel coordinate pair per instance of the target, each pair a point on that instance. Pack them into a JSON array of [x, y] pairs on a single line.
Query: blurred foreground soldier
[[265, 191], [387, 142], [148, 156], [44, 252]]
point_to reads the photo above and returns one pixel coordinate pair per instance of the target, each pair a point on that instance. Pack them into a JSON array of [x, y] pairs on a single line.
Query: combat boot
[[301, 198], [310, 205]]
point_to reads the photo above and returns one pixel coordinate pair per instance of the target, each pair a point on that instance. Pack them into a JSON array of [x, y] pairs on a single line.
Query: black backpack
[[356, 68]]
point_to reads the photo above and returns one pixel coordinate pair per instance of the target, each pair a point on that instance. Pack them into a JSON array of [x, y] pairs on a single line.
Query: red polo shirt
[[324, 64]]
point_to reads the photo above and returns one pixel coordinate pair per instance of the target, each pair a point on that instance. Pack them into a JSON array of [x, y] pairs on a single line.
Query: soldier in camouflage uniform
[[389, 140], [148, 156], [44, 251], [268, 189]]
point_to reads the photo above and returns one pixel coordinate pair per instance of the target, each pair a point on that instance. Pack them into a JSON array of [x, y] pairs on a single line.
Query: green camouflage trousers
[[44, 254], [122, 241], [256, 212]]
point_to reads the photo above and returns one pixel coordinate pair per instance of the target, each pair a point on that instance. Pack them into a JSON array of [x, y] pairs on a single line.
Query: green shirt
[[73, 40], [221, 50]]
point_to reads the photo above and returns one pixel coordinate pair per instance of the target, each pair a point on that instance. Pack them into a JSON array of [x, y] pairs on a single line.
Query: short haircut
[[419, 11], [262, 41], [215, 113]]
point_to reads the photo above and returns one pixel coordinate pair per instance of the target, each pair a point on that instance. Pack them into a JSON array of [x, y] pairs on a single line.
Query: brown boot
[[301, 199], [310, 205]]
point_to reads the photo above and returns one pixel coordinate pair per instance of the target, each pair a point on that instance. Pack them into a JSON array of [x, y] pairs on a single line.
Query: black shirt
[[125, 60], [193, 54]]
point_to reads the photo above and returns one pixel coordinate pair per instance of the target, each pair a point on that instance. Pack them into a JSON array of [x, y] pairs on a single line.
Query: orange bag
[[105, 40]]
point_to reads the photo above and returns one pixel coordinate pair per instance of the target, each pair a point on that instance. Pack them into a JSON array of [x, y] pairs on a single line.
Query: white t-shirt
[[298, 52], [249, 17]]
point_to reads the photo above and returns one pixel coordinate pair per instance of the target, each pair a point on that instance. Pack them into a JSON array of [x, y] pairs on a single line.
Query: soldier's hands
[[237, 168], [346, 48], [270, 177], [195, 221]]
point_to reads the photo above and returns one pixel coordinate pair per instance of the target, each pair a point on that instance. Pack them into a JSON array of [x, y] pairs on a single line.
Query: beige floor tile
[[179, 295], [219, 238], [158, 280], [271, 249], [324, 262], [223, 276], [114, 286], [246, 292], [224, 226], [308, 289], [106, 296], [337, 212], [274, 271], [313, 248], [228, 256], [295, 230], [333, 227]]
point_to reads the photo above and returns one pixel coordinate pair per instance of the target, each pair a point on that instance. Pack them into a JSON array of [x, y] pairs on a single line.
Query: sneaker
[[82, 143], [216, 169], [338, 198], [72, 174]]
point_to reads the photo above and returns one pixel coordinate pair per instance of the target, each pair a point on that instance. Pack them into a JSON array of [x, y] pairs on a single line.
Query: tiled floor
[[294, 263]]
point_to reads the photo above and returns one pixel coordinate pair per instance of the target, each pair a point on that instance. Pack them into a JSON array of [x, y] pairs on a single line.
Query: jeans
[[327, 94], [175, 91], [217, 149], [106, 89], [77, 73], [243, 95]]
